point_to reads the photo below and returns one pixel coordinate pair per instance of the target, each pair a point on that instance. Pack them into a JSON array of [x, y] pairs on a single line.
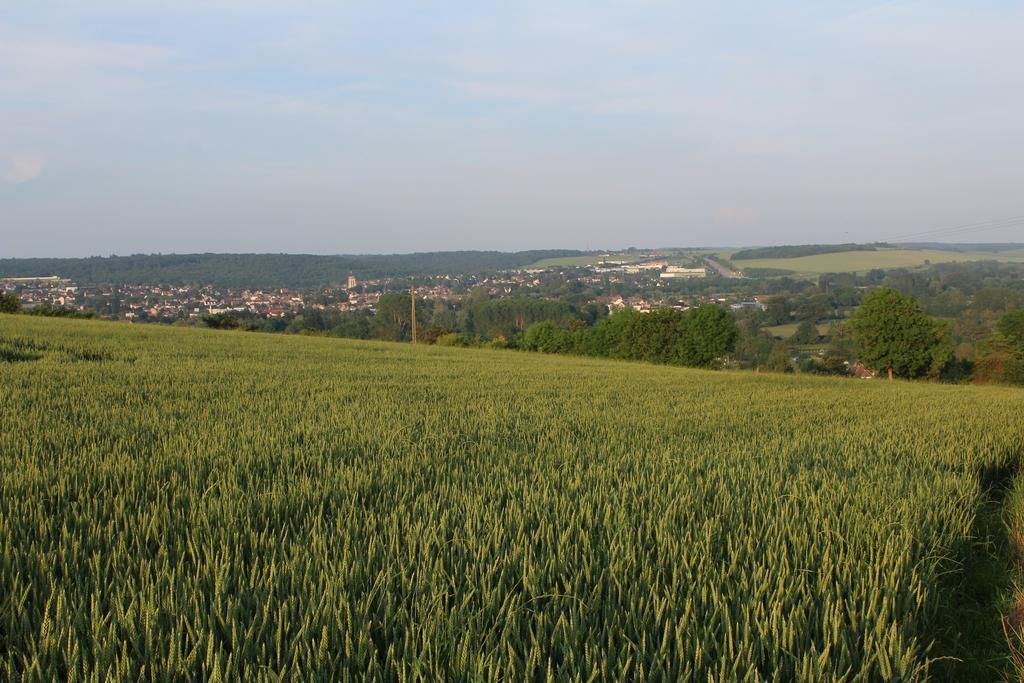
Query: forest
[[269, 270], [794, 251]]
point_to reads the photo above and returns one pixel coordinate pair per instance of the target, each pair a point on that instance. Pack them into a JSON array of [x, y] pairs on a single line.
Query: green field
[[789, 329], [812, 266], [567, 261], [184, 504], [863, 261]]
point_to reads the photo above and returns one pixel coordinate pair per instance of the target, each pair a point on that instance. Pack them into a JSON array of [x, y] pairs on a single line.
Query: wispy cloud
[[48, 54], [736, 215], [22, 168]]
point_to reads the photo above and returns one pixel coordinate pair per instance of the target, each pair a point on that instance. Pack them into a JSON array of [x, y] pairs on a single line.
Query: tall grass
[[189, 504]]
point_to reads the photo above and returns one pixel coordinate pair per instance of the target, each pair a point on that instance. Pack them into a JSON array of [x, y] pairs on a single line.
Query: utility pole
[[412, 294]]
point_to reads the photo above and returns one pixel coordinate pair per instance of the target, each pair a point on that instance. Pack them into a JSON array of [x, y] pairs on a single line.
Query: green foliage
[[447, 339], [222, 321], [9, 303], [806, 333], [697, 337], [754, 344], [491, 318], [767, 272], [270, 270], [393, 320], [546, 337], [1001, 357], [1012, 328], [893, 334], [49, 311], [795, 251], [186, 504], [709, 333], [778, 358]]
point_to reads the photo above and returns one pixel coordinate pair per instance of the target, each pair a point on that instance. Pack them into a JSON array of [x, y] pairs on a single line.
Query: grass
[[567, 261], [184, 504], [863, 261], [789, 329], [1013, 597], [812, 266]]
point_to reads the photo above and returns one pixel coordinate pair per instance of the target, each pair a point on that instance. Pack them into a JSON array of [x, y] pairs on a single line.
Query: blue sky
[[352, 127]]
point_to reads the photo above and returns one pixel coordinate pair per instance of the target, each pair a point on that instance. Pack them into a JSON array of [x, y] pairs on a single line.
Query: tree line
[[798, 250], [889, 332], [270, 270], [698, 337]]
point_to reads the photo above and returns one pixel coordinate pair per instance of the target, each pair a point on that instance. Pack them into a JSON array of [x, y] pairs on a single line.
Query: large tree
[[709, 333], [894, 335]]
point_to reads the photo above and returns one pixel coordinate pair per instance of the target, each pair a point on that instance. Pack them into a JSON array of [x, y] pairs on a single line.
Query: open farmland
[[789, 329], [863, 261], [192, 504]]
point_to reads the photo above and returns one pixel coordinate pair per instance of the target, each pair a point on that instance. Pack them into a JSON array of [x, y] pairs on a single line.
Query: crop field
[[567, 261], [183, 504], [863, 261], [789, 329]]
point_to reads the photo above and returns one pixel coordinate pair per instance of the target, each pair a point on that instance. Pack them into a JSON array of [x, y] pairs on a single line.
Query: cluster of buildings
[[661, 268], [38, 291], [162, 302], [156, 301]]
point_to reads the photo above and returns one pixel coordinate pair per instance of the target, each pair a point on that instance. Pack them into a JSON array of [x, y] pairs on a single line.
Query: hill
[[796, 251], [231, 505], [269, 270], [864, 261], [987, 247]]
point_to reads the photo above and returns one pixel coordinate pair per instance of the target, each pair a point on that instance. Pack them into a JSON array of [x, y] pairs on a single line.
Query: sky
[[304, 126]]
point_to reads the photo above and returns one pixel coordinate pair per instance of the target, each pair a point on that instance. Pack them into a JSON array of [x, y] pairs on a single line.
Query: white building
[[679, 271]]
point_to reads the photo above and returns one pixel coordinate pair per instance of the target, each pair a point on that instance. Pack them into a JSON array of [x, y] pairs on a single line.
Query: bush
[[49, 311], [9, 303], [447, 339], [547, 337]]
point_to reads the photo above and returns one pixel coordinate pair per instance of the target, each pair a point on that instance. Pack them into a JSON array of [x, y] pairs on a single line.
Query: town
[[642, 284]]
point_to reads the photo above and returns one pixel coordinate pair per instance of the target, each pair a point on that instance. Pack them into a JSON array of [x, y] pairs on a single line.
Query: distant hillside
[[992, 247], [270, 270], [798, 250]]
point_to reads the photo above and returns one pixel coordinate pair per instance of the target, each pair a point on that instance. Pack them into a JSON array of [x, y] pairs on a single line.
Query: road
[[722, 270]]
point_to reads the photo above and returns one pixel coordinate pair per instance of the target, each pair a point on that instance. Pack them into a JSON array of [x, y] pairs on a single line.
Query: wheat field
[[182, 504]]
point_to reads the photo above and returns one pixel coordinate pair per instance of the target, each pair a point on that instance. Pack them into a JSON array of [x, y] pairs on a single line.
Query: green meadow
[[863, 261]]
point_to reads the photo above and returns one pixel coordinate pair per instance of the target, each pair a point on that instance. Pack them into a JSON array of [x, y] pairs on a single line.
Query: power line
[[968, 228]]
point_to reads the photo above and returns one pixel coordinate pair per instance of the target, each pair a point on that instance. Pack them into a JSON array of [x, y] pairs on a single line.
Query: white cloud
[[48, 54], [736, 215], [21, 168], [71, 73]]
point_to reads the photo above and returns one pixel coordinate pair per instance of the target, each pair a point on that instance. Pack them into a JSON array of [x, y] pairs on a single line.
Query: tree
[[806, 333], [894, 335], [221, 321], [1012, 327], [393, 320], [1001, 357], [709, 333], [813, 308], [9, 303], [778, 359], [776, 311], [754, 344], [547, 337]]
